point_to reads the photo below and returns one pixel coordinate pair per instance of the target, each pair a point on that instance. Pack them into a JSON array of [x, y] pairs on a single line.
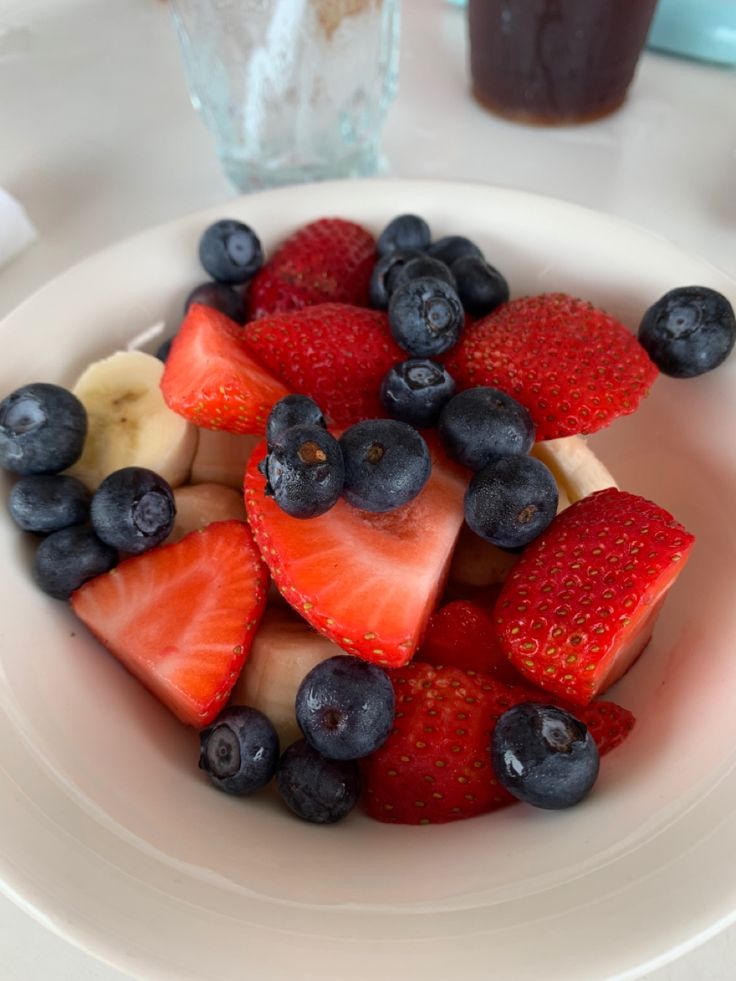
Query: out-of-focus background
[[98, 140]]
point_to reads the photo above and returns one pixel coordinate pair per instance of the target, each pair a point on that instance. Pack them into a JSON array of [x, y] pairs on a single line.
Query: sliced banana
[[476, 562], [285, 648], [221, 458], [578, 472], [130, 425], [198, 505], [576, 468], [563, 501]]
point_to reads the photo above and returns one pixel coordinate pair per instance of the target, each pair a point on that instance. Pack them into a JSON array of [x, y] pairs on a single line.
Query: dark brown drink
[[555, 61]]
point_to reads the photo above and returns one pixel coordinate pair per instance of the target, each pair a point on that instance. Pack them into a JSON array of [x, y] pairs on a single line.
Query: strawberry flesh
[[182, 617], [573, 366], [435, 766], [334, 353], [367, 581], [211, 378], [327, 260], [580, 604]]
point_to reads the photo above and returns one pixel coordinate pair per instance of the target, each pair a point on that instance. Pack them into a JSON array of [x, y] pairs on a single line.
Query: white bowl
[[111, 836]]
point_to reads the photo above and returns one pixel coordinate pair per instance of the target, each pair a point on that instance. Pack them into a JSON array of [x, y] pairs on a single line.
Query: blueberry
[[70, 557], [304, 471], [220, 297], [316, 789], [404, 232], [419, 268], [689, 331], [42, 429], [48, 502], [480, 424], [164, 349], [511, 501], [450, 248], [230, 251], [239, 751], [415, 390], [386, 464], [292, 410], [133, 509], [425, 316], [384, 275], [544, 756], [345, 707], [480, 286]]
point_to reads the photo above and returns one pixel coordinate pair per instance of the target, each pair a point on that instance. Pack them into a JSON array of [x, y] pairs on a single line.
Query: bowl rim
[[46, 829]]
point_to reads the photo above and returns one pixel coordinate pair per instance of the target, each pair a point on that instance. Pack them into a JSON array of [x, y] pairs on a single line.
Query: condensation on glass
[[291, 90]]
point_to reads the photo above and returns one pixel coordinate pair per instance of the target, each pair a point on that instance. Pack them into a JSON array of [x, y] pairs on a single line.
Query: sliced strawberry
[[182, 617], [435, 766], [336, 354], [211, 379], [326, 260], [574, 367], [580, 605], [367, 581], [462, 634], [608, 722]]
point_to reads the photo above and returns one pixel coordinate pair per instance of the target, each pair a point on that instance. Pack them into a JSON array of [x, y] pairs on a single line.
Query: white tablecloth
[[98, 140]]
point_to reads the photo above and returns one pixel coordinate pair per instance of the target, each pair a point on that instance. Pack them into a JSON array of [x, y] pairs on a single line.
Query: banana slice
[[576, 468], [221, 458], [198, 505], [476, 562], [578, 472], [285, 648], [129, 422]]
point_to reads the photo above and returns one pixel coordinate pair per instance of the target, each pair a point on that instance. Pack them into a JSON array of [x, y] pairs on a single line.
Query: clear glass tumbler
[[291, 90]]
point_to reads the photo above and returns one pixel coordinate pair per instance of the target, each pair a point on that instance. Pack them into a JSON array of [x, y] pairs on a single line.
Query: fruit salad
[[345, 521]]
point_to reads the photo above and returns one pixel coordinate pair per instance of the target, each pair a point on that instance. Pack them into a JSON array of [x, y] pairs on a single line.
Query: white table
[[98, 140]]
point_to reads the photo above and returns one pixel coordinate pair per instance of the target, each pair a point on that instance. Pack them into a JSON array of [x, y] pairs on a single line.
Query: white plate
[[110, 835]]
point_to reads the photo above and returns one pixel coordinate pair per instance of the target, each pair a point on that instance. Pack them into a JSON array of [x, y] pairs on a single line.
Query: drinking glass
[[291, 90], [555, 61]]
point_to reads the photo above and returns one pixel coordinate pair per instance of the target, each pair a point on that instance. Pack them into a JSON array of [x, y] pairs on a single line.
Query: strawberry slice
[[435, 766], [211, 379], [335, 353], [580, 605], [367, 581], [608, 722], [462, 634], [182, 617], [574, 367], [329, 259]]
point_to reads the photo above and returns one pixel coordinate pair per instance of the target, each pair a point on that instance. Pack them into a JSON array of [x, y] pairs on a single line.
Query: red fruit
[[608, 722], [367, 581], [462, 634], [574, 367], [326, 260], [580, 605], [211, 379], [336, 354], [435, 766], [182, 617]]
